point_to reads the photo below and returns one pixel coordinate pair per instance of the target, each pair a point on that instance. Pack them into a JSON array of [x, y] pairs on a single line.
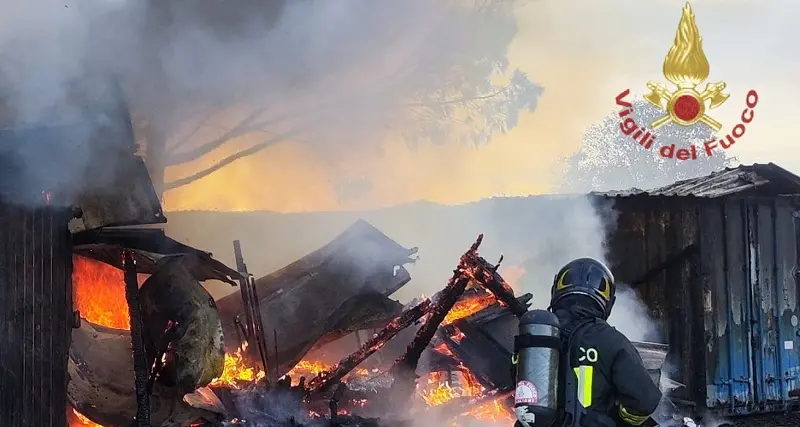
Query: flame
[[308, 369], [439, 391], [686, 64], [99, 290], [493, 410], [236, 371], [76, 419], [100, 297], [469, 306]]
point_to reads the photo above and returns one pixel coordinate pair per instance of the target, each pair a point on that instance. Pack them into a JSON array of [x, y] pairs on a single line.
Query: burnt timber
[[314, 300]]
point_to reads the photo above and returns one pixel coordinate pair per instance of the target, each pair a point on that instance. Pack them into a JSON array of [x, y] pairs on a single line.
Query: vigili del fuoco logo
[[684, 104]]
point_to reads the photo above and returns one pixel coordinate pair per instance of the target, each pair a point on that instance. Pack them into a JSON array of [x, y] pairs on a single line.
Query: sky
[[583, 54]]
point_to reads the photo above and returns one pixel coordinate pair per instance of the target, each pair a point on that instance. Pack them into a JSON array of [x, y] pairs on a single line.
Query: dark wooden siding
[[650, 234], [35, 315]]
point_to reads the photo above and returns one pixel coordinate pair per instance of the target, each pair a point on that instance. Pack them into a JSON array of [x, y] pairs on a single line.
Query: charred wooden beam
[[486, 274], [495, 311], [404, 370], [325, 379], [141, 371]]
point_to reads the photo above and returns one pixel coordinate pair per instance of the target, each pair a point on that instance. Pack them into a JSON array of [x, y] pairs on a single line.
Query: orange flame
[[236, 371], [469, 306], [100, 297], [76, 419], [99, 291]]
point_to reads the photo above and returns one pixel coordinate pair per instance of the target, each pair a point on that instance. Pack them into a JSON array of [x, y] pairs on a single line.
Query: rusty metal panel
[[750, 306], [775, 357], [763, 285], [35, 315], [786, 297], [682, 295], [716, 311], [730, 314], [729, 377]]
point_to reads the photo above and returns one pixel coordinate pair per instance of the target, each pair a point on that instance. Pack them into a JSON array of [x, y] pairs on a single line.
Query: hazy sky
[[584, 54]]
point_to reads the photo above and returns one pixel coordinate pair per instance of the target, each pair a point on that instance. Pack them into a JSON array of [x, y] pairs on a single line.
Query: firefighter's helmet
[[588, 277]]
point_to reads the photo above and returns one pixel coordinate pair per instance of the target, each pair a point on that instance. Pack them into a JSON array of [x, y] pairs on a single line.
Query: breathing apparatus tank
[[536, 359]]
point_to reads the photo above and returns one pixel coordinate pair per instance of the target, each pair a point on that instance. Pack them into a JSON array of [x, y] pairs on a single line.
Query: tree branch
[[464, 99], [189, 135], [246, 125], [240, 129], [226, 161]]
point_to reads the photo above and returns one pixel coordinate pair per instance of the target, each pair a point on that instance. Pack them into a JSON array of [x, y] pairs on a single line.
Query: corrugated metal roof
[[723, 183]]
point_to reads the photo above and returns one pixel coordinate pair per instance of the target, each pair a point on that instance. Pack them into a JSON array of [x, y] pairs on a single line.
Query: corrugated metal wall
[[35, 315], [750, 305], [729, 312]]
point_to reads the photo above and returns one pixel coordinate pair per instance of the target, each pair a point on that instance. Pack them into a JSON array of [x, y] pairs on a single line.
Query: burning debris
[[454, 367]]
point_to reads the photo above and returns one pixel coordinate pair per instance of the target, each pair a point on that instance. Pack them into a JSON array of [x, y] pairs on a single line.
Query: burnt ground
[[772, 420]]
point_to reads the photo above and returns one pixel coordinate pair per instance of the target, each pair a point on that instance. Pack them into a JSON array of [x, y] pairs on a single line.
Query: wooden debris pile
[[445, 358]]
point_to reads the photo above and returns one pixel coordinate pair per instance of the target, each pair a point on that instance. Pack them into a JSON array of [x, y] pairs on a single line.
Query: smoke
[[336, 76], [632, 317], [535, 234]]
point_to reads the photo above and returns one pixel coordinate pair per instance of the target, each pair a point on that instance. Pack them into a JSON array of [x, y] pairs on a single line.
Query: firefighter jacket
[[606, 378]]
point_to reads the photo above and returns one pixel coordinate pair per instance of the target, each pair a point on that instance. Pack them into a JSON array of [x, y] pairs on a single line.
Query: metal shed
[[716, 259], [50, 174]]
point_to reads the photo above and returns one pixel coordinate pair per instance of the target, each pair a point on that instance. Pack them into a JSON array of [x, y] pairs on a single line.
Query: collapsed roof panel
[[87, 160], [151, 245]]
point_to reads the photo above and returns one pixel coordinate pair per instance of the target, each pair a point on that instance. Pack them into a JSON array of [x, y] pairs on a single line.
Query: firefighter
[[605, 383]]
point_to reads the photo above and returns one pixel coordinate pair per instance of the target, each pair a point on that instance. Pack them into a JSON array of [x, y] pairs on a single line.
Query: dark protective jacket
[[612, 385]]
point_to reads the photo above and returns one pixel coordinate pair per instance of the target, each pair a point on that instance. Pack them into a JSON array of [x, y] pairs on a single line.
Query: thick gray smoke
[[335, 75]]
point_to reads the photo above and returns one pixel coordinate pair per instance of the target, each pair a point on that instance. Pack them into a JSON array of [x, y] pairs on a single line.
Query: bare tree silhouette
[[610, 160], [467, 95]]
